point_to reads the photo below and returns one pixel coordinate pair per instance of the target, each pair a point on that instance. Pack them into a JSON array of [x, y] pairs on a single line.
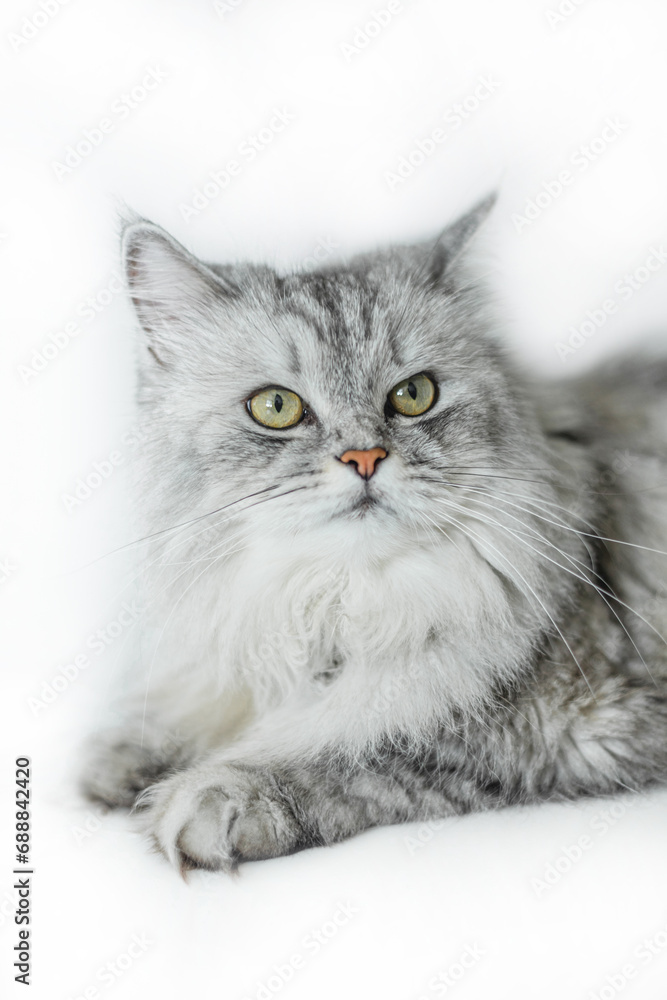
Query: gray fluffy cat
[[386, 577]]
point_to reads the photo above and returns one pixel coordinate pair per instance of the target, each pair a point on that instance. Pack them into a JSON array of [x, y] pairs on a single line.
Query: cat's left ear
[[173, 292], [450, 244]]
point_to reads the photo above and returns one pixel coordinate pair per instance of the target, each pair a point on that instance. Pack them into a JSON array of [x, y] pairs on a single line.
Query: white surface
[[471, 885]]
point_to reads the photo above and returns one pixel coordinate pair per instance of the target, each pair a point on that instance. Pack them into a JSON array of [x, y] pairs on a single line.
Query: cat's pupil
[[278, 402], [412, 389]]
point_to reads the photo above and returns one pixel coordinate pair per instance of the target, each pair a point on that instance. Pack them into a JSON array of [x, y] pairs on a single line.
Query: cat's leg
[[218, 813], [122, 761], [557, 739], [575, 731], [146, 744]]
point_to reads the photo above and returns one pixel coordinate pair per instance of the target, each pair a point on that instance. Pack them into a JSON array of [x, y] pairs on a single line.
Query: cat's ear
[[452, 241], [174, 294]]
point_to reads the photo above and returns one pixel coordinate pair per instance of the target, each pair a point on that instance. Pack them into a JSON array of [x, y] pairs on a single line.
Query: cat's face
[[342, 401]]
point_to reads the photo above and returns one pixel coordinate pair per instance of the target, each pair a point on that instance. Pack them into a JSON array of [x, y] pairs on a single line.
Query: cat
[[387, 575]]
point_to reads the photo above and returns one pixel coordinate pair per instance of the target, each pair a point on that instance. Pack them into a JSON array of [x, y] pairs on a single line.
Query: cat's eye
[[276, 408], [413, 396]]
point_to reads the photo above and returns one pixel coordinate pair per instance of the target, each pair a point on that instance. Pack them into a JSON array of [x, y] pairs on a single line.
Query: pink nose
[[365, 462]]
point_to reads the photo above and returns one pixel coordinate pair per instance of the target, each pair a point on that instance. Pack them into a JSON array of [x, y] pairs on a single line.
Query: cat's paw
[[121, 766], [215, 820]]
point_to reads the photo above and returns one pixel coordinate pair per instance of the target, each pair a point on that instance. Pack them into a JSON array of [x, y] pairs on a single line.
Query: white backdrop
[[373, 122]]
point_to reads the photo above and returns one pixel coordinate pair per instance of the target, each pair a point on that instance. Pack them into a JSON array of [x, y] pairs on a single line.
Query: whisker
[[175, 527], [426, 518], [558, 523], [481, 469], [463, 470], [173, 609], [493, 475], [484, 541], [535, 502], [161, 635], [224, 540], [188, 538], [578, 576], [170, 583], [573, 561], [601, 538]]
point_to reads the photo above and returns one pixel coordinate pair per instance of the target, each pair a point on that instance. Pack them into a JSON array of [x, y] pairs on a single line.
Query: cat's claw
[[198, 820]]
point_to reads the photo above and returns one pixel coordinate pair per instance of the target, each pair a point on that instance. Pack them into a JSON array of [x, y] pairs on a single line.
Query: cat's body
[[326, 651]]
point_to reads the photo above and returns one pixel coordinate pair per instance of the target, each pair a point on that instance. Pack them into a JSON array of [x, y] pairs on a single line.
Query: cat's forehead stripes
[[343, 310], [294, 357]]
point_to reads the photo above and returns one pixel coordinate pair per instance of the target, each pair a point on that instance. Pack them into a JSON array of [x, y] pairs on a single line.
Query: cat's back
[[625, 402], [621, 403], [610, 428]]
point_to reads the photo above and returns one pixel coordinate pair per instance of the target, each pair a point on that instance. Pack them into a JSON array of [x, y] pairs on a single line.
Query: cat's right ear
[[173, 293], [452, 242]]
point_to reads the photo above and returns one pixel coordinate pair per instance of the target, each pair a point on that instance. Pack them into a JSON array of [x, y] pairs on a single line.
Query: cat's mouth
[[364, 505]]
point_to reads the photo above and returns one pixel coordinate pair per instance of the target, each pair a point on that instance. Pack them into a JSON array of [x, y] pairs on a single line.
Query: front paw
[[214, 818]]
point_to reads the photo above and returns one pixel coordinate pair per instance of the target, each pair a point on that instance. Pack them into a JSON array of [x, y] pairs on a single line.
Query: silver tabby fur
[[477, 625]]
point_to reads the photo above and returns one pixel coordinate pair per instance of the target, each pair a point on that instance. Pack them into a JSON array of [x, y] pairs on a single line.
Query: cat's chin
[[366, 518], [368, 529], [365, 506]]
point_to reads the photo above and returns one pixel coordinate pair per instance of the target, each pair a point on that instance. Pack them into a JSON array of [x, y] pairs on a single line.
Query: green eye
[[277, 408], [413, 396]]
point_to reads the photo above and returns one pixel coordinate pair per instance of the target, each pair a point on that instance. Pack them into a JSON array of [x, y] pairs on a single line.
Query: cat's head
[[339, 401]]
